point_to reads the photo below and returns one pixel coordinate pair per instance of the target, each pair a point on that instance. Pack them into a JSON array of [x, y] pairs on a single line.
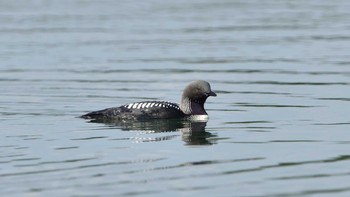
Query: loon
[[191, 107]]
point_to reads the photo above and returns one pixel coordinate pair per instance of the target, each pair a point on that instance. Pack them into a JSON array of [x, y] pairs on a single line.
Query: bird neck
[[192, 107]]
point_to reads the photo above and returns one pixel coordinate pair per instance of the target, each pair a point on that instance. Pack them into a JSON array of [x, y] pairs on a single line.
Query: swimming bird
[[191, 107]]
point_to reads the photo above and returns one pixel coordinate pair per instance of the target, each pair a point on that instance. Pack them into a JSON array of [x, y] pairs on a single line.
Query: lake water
[[279, 126]]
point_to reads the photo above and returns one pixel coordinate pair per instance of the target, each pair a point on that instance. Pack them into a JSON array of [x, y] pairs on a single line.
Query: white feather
[[199, 117]]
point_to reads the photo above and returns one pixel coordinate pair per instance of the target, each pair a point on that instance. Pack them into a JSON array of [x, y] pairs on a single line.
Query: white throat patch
[[199, 117]]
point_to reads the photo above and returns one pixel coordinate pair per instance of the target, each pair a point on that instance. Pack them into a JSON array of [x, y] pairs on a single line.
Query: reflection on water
[[192, 132]]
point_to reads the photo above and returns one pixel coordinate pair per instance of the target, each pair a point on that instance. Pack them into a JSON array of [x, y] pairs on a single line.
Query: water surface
[[279, 126]]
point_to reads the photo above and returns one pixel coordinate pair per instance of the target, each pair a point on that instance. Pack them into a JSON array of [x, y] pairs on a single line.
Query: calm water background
[[280, 125]]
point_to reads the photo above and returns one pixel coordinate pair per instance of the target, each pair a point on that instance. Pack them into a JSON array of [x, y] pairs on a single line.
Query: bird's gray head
[[194, 96]]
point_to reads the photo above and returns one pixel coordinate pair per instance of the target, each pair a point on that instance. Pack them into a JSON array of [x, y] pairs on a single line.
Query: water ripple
[[272, 105], [332, 191], [334, 99], [196, 163], [281, 165], [56, 169]]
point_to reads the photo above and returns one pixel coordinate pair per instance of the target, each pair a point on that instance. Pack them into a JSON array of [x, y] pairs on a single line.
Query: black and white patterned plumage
[[192, 104]]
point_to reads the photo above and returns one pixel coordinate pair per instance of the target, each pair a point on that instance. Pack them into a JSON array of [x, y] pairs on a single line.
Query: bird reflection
[[192, 132]]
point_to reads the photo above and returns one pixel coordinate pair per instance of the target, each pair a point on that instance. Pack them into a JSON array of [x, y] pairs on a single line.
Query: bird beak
[[212, 93]]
